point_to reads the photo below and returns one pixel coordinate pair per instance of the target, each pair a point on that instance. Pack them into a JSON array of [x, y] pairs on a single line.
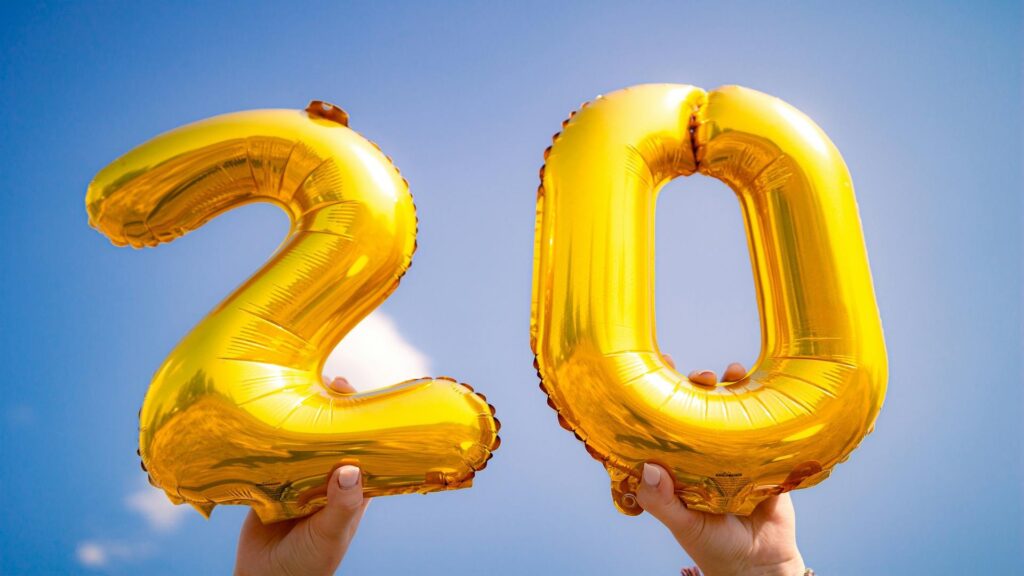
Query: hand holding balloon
[[764, 542], [313, 545]]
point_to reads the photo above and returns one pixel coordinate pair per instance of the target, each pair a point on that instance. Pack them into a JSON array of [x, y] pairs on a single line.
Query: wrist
[[791, 567]]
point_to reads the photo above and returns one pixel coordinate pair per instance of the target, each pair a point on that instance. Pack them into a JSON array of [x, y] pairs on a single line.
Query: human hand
[[762, 544], [313, 545]]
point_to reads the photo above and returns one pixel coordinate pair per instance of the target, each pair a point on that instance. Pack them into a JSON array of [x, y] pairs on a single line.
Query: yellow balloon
[[819, 382], [238, 413]]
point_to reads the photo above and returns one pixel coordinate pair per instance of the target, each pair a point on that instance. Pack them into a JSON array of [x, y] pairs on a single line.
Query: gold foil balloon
[[818, 385], [238, 413]]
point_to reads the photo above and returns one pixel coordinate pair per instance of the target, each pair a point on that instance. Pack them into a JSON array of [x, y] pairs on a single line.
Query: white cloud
[[96, 554], [91, 554], [375, 354], [153, 505], [160, 515]]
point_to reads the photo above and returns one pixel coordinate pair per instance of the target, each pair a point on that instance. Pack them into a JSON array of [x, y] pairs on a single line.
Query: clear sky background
[[922, 99]]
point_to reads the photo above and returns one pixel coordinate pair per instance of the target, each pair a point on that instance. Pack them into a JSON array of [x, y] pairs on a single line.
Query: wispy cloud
[[375, 354], [92, 554], [100, 554], [160, 514]]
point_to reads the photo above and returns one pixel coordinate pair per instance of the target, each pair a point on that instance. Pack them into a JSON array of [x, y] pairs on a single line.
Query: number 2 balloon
[[238, 413]]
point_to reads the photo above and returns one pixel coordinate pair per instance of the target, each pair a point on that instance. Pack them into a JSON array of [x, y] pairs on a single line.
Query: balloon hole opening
[[629, 501], [328, 111]]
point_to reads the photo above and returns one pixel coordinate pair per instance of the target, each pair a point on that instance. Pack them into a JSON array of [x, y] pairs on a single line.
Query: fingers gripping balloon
[[818, 385], [238, 413]]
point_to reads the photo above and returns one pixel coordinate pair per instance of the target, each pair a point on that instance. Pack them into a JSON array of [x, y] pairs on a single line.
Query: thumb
[[345, 505], [657, 496]]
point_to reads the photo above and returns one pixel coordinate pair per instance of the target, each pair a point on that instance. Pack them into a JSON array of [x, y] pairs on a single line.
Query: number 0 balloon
[[818, 385], [238, 413]]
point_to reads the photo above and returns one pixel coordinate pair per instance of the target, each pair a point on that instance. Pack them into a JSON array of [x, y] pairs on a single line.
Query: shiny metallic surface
[[820, 380], [238, 413]]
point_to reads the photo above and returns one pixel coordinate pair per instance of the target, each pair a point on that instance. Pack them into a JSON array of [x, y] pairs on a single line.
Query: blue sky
[[923, 100]]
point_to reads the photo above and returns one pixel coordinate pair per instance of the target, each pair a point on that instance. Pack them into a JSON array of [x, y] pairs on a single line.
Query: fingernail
[[652, 476], [348, 477], [707, 374]]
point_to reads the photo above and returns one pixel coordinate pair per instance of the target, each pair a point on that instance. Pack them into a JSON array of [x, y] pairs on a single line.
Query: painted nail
[[652, 476], [348, 477]]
